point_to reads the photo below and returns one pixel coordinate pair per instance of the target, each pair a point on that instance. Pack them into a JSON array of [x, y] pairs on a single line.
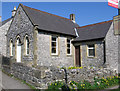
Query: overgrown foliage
[[98, 84], [58, 86], [75, 67]]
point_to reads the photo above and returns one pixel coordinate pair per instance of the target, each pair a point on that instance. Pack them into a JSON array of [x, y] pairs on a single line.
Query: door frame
[[78, 55]]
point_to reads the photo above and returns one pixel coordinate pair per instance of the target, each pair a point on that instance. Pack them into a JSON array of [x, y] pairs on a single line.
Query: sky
[[85, 12]]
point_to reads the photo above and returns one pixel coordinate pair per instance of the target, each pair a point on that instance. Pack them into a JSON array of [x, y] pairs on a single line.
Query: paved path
[[11, 83]]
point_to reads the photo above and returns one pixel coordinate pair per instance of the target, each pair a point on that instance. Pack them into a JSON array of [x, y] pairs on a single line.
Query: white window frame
[[11, 47], [69, 47], [26, 45], [90, 48], [56, 45]]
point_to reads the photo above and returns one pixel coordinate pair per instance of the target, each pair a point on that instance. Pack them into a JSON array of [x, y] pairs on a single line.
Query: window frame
[[26, 46], [11, 47], [52, 41], [91, 48], [69, 47]]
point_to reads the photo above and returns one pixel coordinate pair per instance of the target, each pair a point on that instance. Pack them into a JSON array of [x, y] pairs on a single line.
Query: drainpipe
[[76, 32], [104, 51], [65, 87], [65, 76]]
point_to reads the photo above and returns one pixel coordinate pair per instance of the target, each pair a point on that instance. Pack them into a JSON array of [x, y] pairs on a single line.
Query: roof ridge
[[45, 12], [94, 24]]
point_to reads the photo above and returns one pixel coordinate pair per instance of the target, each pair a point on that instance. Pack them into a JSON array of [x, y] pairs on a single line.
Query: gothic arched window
[[26, 45], [11, 47]]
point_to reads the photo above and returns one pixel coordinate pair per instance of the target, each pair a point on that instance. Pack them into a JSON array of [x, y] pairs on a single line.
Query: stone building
[[3, 39], [40, 38], [97, 44]]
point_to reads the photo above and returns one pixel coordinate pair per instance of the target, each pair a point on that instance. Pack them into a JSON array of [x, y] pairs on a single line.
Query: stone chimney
[[116, 24], [14, 11], [72, 17]]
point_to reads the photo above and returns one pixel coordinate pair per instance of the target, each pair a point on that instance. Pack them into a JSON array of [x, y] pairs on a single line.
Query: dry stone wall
[[42, 76]]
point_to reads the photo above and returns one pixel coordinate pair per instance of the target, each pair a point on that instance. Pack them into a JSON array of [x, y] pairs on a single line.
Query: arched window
[[18, 49], [11, 47], [26, 45]]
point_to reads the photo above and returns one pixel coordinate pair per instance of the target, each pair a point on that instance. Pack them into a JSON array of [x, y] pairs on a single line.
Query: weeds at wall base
[[85, 85]]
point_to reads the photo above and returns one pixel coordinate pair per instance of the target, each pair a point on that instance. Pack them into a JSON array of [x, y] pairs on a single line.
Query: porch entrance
[[77, 56]]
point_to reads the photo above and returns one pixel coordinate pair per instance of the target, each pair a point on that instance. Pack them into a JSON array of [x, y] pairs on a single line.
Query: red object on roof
[[113, 3]]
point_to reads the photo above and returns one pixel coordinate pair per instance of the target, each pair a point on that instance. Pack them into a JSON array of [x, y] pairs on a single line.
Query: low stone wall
[[5, 63], [89, 74], [41, 77]]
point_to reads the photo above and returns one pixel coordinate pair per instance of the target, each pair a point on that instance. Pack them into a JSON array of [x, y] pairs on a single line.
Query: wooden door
[[77, 56]]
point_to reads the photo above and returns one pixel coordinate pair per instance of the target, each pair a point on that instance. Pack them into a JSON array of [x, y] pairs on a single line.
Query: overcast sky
[[85, 12]]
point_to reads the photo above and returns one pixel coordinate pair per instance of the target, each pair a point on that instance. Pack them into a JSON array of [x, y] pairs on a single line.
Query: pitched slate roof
[[5, 21], [93, 31], [49, 22]]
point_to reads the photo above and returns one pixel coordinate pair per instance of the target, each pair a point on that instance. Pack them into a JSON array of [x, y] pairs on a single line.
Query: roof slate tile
[[49, 22], [93, 31]]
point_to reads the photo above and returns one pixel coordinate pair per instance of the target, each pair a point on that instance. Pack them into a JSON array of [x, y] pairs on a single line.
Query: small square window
[[91, 50], [54, 45], [68, 46]]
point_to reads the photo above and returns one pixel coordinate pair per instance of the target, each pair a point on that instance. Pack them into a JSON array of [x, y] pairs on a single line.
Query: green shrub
[[98, 84], [75, 67], [57, 86]]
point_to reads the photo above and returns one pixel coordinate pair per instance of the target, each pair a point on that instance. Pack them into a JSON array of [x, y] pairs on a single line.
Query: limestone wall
[[112, 49], [96, 61], [42, 76], [45, 58], [3, 38], [21, 26]]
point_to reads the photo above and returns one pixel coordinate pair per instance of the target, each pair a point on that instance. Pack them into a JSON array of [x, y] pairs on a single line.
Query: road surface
[[7, 82]]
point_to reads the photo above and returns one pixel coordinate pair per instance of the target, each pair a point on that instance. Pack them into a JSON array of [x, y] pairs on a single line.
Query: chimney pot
[[14, 7], [72, 17], [116, 23]]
